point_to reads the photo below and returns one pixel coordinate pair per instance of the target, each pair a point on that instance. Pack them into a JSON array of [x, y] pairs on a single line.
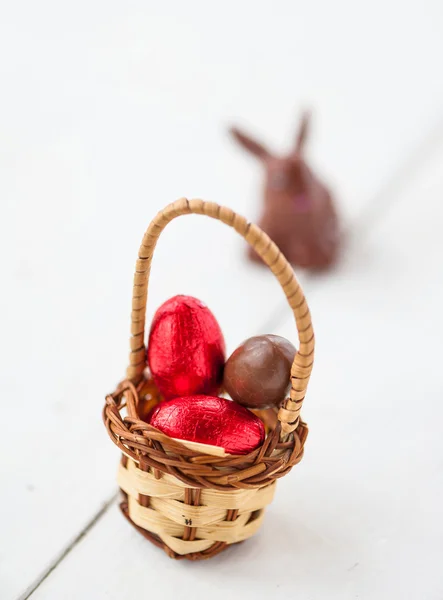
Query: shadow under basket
[[191, 503]]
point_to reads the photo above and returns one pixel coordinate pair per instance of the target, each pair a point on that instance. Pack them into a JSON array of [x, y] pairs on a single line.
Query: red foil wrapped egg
[[186, 349], [210, 420]]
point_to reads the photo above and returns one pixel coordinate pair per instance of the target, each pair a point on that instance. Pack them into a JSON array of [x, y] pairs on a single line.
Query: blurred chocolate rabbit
[[299, 213]]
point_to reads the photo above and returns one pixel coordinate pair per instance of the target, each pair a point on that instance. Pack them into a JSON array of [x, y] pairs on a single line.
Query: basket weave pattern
[[190, 503]]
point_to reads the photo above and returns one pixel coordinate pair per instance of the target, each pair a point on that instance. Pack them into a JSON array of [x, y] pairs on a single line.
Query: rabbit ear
[[249, 144], [302, 133]]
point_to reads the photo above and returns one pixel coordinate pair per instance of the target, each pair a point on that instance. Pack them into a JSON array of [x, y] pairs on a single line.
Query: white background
[[110, 110]]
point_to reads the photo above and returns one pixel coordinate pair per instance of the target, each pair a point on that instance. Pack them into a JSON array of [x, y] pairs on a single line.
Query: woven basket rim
[[150, 448]]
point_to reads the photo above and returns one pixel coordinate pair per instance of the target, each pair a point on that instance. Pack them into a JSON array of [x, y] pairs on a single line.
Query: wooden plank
[[360, 517], [111, 112]]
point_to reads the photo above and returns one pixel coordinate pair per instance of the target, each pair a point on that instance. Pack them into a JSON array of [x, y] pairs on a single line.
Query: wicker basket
[[190, 503]]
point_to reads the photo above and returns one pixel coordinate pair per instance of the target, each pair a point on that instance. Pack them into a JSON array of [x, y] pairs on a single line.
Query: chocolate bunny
[[299, 213]]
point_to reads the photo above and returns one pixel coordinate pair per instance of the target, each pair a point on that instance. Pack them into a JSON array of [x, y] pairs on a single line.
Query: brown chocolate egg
[[148, 398], [257, 374]]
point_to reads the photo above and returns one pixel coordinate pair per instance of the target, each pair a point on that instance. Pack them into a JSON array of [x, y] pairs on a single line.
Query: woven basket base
[[183, 521], [215, 549]]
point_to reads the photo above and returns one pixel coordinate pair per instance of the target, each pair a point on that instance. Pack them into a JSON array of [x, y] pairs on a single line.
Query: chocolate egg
[[186, 349], [148, 398], [257, 374], [210, 420]]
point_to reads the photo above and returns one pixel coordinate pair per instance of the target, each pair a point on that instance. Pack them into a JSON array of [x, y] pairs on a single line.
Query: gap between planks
[[67, 550], [354, 231]]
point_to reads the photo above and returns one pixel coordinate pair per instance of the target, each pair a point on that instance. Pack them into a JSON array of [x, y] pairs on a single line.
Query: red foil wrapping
[[186, 349], [210, 420]]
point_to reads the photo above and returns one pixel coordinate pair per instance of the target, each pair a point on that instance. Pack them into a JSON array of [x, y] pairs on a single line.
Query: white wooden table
[[110, 110]]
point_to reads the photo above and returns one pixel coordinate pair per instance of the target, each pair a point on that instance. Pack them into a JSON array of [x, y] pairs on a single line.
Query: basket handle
[[301, 368]]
